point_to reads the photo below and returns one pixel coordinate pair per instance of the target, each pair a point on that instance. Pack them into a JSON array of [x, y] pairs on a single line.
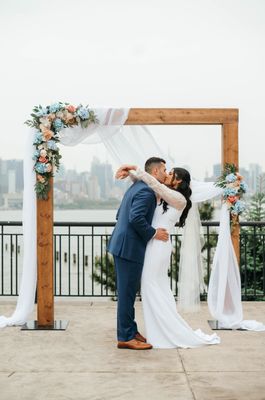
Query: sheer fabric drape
[[224, 292], [191, 274], [27, 289]]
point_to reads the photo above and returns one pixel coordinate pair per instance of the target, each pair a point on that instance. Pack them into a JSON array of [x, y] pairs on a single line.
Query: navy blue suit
[[128, 242]]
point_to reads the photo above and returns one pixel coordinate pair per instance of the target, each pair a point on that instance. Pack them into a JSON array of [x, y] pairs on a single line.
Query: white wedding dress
[[165, 328]]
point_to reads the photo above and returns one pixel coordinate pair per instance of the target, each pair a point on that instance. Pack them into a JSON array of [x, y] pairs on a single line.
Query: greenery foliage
[[104, 272], [206, 210], [253, 250]]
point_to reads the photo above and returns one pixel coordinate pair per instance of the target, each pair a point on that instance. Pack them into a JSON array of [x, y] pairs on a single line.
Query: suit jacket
[[133, 228]]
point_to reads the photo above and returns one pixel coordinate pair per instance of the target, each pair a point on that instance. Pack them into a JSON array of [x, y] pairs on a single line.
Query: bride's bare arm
[[172, 197]]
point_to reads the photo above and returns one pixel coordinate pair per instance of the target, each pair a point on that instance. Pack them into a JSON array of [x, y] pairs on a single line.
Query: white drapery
[[135, 145], [224, 292], [27, 288], [191, 277]]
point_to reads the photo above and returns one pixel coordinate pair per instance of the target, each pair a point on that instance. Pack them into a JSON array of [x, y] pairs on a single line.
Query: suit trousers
[[128, 278]]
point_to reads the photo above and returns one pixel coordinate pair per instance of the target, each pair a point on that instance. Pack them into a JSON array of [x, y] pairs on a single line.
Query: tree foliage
[[252, 258]]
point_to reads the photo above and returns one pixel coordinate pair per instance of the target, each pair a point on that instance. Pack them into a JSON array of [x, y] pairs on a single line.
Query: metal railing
[[82, 266]]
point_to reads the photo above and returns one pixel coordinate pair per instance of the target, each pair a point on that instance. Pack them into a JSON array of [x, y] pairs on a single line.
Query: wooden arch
[[226, 117]]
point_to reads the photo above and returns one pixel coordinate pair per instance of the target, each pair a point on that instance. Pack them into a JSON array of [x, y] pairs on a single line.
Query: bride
[[165, 328]]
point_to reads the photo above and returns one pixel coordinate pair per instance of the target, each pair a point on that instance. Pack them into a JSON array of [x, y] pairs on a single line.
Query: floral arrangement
[[234, 188], [49, 121]]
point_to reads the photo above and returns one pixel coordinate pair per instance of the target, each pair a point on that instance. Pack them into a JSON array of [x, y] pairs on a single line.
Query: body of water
[[66, 215], [76, 215], [76, 267]]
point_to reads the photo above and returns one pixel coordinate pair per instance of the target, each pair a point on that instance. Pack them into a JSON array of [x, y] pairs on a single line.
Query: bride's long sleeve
[[172, 197]]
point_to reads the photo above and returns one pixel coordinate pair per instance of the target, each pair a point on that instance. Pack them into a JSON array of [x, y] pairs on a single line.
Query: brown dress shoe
[[140, 337], [134, 345]]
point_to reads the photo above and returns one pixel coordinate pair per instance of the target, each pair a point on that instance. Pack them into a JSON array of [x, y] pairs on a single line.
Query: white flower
[[45, 122], [43, 153]]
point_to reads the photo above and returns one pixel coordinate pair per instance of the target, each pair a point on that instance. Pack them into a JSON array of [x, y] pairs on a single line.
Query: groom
[[127, 244]]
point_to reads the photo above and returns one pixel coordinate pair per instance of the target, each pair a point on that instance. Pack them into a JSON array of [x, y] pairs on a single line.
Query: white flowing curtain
[[135, 145]]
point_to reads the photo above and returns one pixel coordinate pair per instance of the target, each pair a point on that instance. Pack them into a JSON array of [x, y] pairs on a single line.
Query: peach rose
[[232, 199], [47, 134], [43, 159], [72, 121], [71, 108], [68, 117]]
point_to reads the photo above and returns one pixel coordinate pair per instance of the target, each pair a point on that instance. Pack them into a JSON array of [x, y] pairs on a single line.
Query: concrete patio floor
[[83, 362]]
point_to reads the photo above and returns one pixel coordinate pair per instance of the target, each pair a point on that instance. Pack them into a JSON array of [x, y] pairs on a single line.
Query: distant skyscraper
[[217, 170], [3, 177], [17, 166], [261, 185], [255, 171], [11, 181], [104, 173], [93, 188]]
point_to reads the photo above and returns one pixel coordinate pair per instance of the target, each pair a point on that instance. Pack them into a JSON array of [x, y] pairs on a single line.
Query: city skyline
[[65, 166], [97, 186]]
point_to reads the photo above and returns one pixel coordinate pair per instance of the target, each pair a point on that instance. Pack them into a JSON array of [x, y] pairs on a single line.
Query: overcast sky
[[139, 53]]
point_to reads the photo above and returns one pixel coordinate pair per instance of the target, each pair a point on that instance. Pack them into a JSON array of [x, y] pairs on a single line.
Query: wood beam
[[45, 309], [181, 116]]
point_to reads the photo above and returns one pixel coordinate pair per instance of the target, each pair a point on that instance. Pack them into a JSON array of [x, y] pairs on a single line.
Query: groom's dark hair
[[152, 162]]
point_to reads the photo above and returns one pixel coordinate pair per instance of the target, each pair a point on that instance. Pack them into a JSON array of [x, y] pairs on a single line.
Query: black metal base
[[59, 325], [214, 325]]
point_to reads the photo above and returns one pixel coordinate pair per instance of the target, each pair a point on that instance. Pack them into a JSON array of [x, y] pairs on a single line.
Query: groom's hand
[[161, 234]]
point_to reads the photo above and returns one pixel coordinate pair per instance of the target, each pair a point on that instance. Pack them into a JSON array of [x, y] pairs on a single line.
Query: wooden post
[[45, 260], [230, 155]]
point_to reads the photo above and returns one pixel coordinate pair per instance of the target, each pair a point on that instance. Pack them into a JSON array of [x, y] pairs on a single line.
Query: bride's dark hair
[[184, 188]]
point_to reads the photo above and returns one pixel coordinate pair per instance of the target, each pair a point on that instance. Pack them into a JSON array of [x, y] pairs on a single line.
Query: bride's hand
[[121, 174], [123, 171]]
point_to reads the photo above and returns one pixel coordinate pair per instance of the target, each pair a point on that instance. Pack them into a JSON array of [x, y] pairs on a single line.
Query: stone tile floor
[[83, 362]]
